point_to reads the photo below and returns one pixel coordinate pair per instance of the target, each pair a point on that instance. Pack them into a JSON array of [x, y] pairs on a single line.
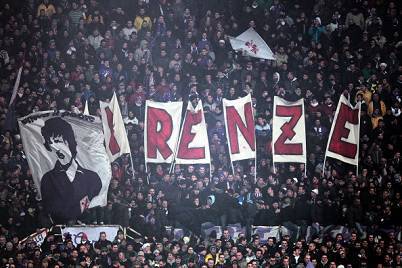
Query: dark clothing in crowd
[[73, 52]]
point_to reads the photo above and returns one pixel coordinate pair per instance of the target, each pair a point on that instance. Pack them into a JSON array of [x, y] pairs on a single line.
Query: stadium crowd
[[169, 50]]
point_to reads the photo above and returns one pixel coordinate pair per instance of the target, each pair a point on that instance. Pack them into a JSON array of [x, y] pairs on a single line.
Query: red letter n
[[235, 122]]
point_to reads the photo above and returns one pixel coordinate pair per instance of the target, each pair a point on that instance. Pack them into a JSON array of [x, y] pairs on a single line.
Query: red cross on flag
[[113, 128], [252, 44]]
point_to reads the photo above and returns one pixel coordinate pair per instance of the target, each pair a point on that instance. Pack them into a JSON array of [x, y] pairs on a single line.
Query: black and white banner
[[68, 160], [91, 233], [38, 238]]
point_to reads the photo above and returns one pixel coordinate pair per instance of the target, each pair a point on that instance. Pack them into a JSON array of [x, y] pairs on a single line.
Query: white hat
[[296, 180], [315, 191], [186, 239], [145, 245], [318, 19]]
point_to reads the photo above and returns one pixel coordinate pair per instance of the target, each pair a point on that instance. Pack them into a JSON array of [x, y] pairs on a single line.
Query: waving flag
[[252, 44], [192, 148], [113, 127], [162, 130], [343, 143], [69, 163], [288, 131], [240, 129]]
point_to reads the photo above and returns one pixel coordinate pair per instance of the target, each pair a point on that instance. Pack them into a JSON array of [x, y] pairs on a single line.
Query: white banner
[[252, 44], [343, 142], [288, 131], [193, 147], [69, 164], [235, 230], [113, 127], [265, 232], [161, 130], [91, 232], [240, 129]]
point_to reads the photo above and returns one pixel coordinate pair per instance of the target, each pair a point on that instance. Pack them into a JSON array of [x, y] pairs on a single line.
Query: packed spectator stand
[[169, 50]]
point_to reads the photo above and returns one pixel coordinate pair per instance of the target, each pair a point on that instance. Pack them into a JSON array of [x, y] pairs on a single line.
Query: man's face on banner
[[61, 150]]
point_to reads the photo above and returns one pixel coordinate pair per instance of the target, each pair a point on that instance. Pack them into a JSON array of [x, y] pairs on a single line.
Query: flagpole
[[358, 141], [15, 88], [255, 167], [305, 168], [132, 166], [146, 141], [146, 171], [210, 171]]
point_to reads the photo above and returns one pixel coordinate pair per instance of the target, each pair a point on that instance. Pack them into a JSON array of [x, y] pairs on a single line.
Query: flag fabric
[[288, 131], [192, 146], [68, 160], [265, 232], [207, 229], [252, 44], [240, 129], [235, 230], [162, 129], [116, 139], [86, 110], [343, 142]]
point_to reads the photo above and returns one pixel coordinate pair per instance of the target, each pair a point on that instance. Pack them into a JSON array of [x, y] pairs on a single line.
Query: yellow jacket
[[374, 121], [49, 10], [366, 95], [139, 20], [370, 109]]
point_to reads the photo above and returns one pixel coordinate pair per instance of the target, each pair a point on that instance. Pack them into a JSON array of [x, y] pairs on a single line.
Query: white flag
[[86, 110], [193, 147], [113, 128], [68, 160], [162, 129], [288, 131], [252, 44], [343, 142], [240, 129]]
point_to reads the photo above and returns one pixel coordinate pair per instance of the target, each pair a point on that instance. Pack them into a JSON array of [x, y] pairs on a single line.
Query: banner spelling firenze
[[288, 131], [343, 142], [165, 142]]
